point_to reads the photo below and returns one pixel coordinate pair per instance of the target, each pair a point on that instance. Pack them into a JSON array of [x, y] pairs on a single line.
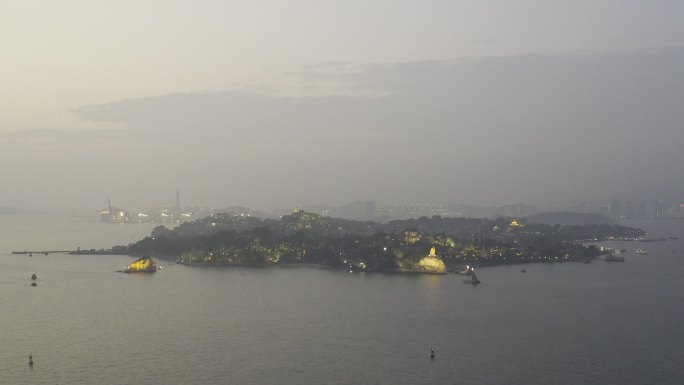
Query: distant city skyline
[[371, 210]]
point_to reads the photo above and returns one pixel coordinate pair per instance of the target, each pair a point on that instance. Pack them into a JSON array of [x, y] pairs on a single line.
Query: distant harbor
[[113, 214]]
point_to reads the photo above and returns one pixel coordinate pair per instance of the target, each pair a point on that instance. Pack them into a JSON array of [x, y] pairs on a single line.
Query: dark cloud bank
[[541, 129]]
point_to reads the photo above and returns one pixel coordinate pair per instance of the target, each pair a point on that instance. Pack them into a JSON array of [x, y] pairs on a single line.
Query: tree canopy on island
[[303, 237]]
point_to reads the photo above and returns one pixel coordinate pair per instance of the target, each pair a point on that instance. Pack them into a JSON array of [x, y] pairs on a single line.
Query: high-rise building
[[643, 209], [628, 211], [614, 208], [659, 209]]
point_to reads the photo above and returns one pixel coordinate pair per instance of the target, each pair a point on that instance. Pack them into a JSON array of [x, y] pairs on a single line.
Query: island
[[304, 238]]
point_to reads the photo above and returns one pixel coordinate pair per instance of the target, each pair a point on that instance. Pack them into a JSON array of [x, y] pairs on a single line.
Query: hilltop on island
[[398, 246]]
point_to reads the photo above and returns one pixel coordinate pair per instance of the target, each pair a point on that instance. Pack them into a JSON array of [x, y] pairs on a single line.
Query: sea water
[[557, 323], [42, 232]]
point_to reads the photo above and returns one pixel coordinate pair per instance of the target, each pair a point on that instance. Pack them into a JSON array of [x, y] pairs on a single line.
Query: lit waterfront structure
[[113, 214]]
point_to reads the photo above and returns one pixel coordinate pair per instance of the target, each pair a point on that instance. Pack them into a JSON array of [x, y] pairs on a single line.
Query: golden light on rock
[[431, 264], [142, 265]]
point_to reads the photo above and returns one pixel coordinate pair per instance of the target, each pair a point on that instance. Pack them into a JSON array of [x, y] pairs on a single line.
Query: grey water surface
[[563, 323]]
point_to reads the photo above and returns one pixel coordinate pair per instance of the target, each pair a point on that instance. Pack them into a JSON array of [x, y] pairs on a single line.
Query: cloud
[[528, 127], [61, 139]]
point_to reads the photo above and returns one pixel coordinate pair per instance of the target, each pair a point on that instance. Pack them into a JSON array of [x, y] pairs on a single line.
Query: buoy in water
[[34, 284], [34, 276], [30, 359]]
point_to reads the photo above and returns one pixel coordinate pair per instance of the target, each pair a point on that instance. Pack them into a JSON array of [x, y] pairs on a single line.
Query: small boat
[[34, 276], [473, 279], [641, 251], [34, 284]]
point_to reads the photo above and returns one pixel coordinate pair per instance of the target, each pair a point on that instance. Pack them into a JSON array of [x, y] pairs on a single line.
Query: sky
[[275, 104]]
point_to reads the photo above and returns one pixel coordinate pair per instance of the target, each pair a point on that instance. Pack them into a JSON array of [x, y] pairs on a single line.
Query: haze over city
[[279, 104], [305, 192]]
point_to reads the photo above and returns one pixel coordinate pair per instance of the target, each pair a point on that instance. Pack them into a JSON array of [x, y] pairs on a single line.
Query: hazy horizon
[[284, 104]]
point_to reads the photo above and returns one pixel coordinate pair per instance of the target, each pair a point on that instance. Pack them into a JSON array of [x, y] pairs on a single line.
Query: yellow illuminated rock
[[142, 265], [431, 264]]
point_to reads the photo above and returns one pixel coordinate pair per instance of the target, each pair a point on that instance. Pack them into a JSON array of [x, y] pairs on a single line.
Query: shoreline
[[451, 269]]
